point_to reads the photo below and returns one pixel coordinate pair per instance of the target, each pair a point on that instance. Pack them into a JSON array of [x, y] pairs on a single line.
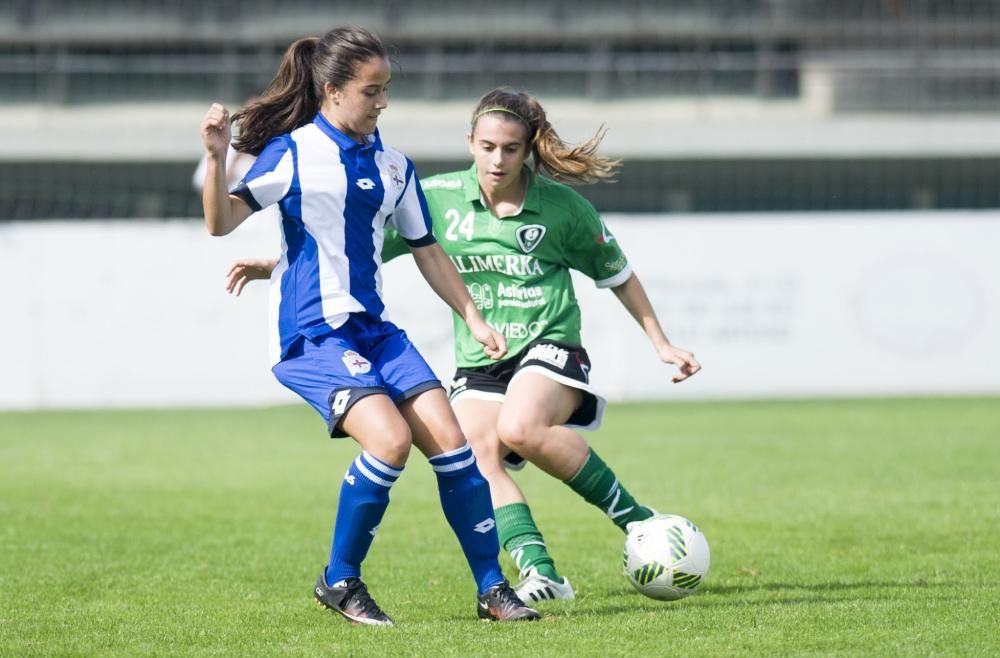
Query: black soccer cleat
[[500, 603], [513, 461], [350, 601]]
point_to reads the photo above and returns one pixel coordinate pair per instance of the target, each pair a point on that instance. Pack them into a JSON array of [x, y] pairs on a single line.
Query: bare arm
[[633, 297], [443, 278], [223, 212], [246, 270]]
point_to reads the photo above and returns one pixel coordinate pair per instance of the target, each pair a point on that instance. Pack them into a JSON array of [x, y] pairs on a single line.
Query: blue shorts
[[362, 357]]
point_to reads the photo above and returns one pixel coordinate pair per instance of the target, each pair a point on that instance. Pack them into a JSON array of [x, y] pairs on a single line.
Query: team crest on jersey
[[394, 173], [529, 236], [356, 364]]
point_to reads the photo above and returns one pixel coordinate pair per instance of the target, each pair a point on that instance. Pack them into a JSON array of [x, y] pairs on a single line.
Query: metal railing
[[878, 54], [830, 57]]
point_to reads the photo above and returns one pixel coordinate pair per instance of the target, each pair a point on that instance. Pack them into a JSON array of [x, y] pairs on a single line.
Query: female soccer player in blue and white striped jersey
[[528, 401], [321, 159]]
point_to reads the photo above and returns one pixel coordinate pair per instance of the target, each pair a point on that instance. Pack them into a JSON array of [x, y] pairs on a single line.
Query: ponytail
[[579, 165], [288, 102], [295, 94]]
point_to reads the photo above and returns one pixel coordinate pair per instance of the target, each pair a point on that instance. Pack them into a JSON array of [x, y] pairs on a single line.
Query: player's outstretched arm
[[223, 212], [444, 279], [245, 270], [633, 297]]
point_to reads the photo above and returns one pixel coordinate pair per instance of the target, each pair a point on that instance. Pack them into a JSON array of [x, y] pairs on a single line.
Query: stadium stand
[[746, 105]]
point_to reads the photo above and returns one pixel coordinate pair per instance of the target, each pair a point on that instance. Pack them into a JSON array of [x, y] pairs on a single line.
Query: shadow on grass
[[628, 602], [823, 587]]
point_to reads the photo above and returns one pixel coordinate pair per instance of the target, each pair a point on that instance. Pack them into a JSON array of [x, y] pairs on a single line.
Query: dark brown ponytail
[[295, 94], [288, 102]]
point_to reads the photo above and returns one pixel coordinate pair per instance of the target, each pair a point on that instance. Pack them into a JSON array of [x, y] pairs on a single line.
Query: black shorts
[[566, 363]]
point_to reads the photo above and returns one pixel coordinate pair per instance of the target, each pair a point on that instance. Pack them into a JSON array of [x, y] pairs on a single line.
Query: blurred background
[[809, 190]]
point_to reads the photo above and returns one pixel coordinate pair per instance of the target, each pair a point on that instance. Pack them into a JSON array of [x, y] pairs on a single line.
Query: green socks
[[596, 483], [520, 537]]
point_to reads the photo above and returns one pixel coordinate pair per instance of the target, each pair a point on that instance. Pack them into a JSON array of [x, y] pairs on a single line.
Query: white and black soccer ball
[[666, 557]]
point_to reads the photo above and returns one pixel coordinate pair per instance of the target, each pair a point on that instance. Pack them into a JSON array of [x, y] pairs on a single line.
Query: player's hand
[[494, 344], [683, 359], [216, 131], [246, 270]]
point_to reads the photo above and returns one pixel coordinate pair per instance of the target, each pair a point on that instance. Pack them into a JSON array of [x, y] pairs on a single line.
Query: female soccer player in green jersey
[[514, 233]]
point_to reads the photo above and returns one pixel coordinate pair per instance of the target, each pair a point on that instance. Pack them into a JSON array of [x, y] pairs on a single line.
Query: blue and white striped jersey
[[335, 197]]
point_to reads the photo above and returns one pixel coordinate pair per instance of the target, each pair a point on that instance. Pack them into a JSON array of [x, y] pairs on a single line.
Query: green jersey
[[517, 269]]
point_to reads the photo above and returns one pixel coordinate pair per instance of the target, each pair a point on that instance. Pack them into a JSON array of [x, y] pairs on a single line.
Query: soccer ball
[[666, 557]]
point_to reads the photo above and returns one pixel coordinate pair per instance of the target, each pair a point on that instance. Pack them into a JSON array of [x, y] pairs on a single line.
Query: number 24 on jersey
[[458, 224]]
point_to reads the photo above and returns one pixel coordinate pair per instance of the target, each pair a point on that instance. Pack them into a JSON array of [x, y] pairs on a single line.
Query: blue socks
[[364, 495], [465, 499]]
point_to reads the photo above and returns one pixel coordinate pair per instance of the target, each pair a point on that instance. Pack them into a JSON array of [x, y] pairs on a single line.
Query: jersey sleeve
[[270, 177], [411, 218], [594, 251]]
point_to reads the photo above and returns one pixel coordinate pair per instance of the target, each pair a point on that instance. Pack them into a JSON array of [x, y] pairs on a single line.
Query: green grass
[[848, 527]]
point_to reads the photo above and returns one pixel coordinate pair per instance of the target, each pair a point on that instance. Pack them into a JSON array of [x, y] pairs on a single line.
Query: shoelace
[[507, 598], [364, 600]]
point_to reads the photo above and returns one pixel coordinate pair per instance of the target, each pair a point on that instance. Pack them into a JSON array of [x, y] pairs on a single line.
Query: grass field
[[849, 527]]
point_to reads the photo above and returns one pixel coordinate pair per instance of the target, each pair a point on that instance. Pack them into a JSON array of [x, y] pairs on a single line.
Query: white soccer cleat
[[629, 526], [536, 587]]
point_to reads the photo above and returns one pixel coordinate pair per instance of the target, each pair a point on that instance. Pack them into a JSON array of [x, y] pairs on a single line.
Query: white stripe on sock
[[360, 465], [377, 463], [457, 466], [452, 453]]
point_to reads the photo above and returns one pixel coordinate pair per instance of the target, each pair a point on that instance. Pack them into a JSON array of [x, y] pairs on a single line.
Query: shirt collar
[[532, 195], [342, 140]]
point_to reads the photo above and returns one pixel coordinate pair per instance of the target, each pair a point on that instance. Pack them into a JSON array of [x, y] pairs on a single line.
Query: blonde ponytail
[[575, 165]]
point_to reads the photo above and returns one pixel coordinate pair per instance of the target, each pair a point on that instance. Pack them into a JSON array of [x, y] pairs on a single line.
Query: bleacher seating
[[810, 59]]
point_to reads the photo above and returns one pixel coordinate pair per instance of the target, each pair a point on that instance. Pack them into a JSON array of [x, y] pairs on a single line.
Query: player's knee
[[487, 449], [451, 437], [483, 442], [395, 444], [490, 465], [516, 433]]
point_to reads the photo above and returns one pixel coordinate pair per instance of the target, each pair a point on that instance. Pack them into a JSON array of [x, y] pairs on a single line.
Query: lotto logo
[[339, 404], [485, 526], [366, 184]]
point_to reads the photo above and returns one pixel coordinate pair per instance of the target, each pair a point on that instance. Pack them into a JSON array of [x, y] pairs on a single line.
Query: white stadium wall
[[134, 314]]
